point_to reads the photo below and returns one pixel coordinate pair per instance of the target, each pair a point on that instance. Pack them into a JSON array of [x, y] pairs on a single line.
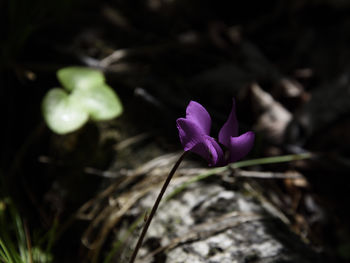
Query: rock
[[208, 223]]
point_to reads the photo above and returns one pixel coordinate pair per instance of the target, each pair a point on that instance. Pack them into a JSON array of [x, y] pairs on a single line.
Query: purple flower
[[194, 135]]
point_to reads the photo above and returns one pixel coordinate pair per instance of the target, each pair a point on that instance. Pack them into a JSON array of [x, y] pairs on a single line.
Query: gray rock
[[208, 223]]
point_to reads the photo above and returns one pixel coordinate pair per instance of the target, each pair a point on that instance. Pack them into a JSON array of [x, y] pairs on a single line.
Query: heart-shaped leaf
[[73, 78], [100, 102], [89, 97], [63, 113]]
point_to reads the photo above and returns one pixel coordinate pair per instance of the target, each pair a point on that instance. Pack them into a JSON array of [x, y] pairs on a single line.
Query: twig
[[268, 205]]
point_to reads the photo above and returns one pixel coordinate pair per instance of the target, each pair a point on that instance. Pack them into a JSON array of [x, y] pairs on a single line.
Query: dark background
[[208, 51]]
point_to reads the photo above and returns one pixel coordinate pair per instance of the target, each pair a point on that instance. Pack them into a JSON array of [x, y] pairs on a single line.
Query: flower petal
[[230, 128], [189, 132], [241, 146], [193, 139], [198, 114]]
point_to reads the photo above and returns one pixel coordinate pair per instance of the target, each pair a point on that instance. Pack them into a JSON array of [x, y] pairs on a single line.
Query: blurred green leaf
[[89, 96], [63, 113], [80, 78], [100, 102]]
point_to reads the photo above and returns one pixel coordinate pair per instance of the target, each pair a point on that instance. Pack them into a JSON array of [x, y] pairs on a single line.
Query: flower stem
[[155, 207]]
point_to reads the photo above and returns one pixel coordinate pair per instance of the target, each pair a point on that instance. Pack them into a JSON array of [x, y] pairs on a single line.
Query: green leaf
[[89, 96], [101, 102], [63, 113], [240, 164], [73, 78]]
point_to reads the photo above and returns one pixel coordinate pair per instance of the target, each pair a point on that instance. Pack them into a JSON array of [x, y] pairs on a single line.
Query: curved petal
[[189, 132], [214, 154], [230, 128], [199, 115], [241, 146], [193, 139]]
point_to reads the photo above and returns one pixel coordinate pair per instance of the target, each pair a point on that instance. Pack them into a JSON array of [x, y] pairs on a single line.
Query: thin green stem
[[155, 207], [270, 160], [259, 161]]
